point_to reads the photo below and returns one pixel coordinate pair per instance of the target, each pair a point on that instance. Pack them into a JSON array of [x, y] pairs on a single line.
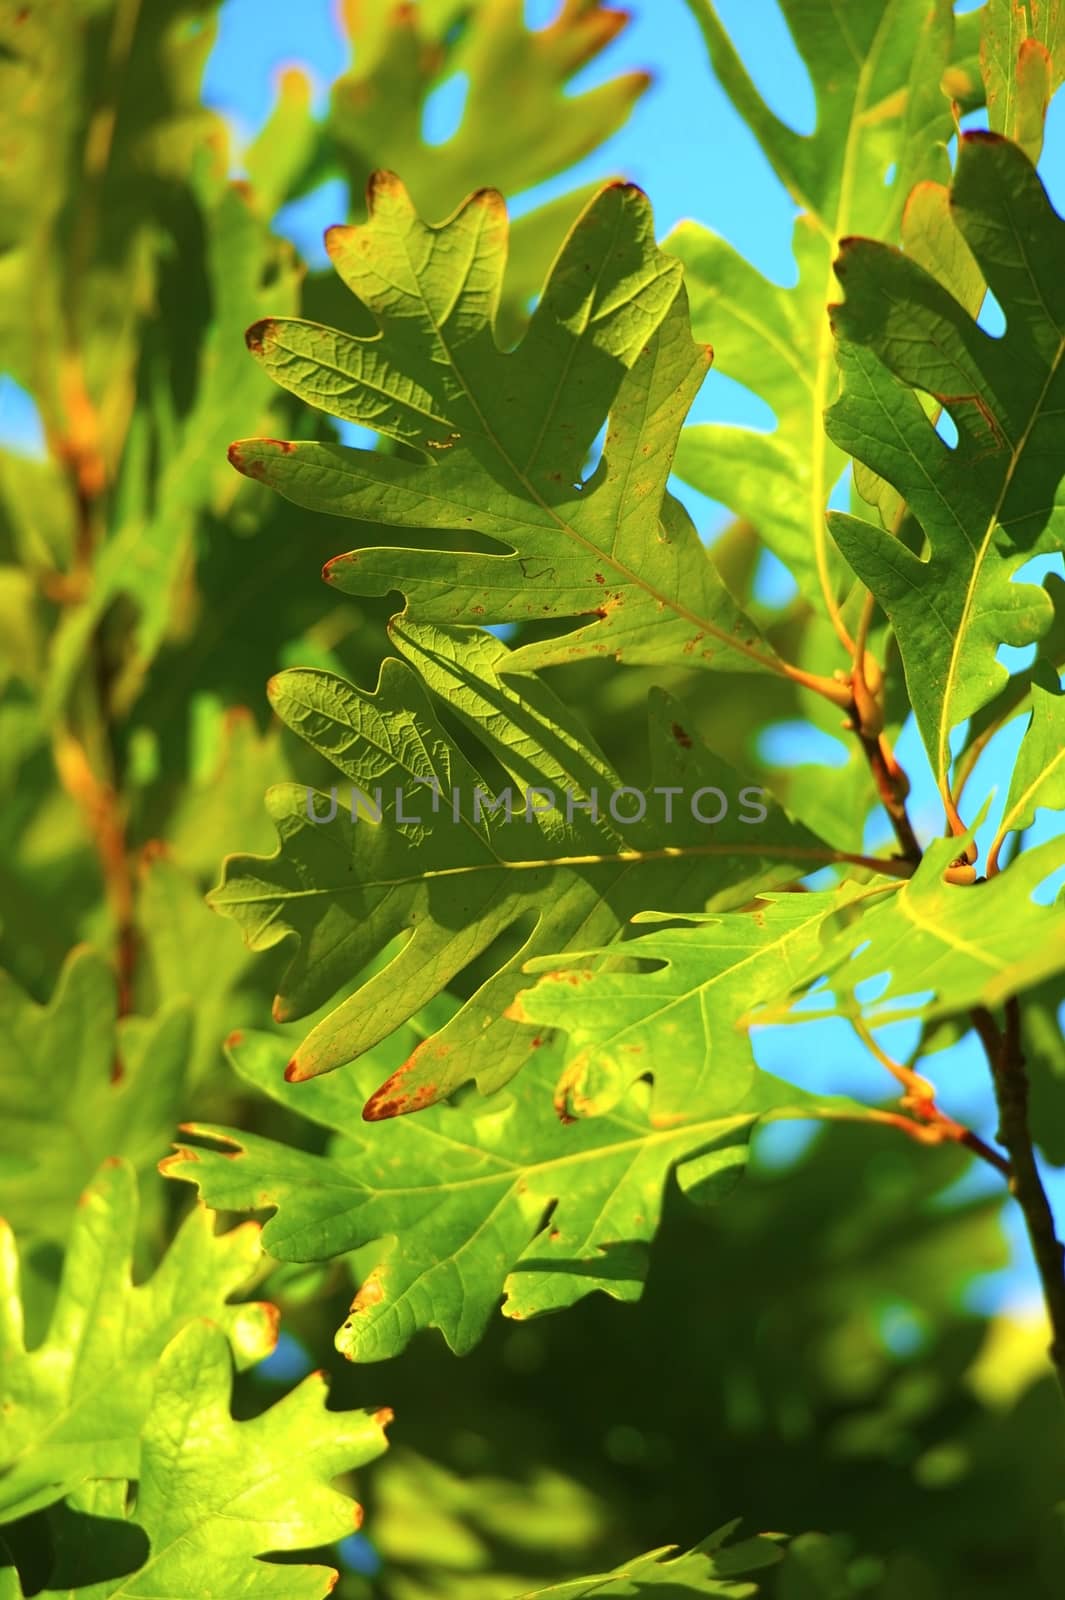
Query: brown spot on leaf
[[254, 336], [682, 737], [568, 975], [370, 1294], [599, 578]]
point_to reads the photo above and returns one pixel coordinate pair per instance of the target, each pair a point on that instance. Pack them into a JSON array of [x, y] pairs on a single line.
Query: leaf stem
[[1006, 1060], [832, 689], [932, 1125]]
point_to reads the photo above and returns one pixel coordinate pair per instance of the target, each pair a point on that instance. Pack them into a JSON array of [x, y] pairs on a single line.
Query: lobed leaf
[[712, 1568], [465, 1203], [678, 1021], [1038, 778], [882, 123], [214, 1495], [448, 869], [1022, 62], [937, 948], [503, 437], [75, 1405], [992, 502], [77, 1087]]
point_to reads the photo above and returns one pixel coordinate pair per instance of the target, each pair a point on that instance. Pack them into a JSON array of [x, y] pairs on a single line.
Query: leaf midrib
[[635, 857]]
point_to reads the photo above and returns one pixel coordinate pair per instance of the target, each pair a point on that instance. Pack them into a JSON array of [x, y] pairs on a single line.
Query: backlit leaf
[[76, 1403], [503, 436], [936, 948], [469, 1202], [459, 860], [992, 502]]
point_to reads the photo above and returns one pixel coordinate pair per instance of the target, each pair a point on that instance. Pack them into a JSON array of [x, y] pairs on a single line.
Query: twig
[[925, 1121], [893, 787], [866, 717], [1006, 1060]]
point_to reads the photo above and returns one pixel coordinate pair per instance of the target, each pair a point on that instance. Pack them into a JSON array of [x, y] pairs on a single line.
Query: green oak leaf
[[520, 123], [444, 1535], [992, 502], [467, 1203], [1022, 63], [678, 1022], [76, 1086], [937, 947], [1017, 696], [1038, 778], [500, 438], [712, 1568], [213, 1495], [74, 1405], [448, 869], [882, 123]]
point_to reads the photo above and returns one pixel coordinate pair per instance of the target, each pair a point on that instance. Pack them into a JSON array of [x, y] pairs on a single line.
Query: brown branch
[[1006, 1059], [865, 717], [892, 786]]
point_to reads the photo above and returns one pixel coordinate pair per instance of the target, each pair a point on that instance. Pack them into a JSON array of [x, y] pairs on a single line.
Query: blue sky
[[689, 150]]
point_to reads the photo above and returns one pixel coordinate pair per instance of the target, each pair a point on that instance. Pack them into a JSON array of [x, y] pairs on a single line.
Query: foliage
[[532, 890]]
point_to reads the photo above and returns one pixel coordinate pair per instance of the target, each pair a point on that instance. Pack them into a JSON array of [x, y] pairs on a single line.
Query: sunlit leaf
[[76, 1403], [454, 859], [489, 1198], [990, 504]]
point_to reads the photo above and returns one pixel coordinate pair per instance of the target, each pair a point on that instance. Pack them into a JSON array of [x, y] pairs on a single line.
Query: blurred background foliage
[[811, 1356]]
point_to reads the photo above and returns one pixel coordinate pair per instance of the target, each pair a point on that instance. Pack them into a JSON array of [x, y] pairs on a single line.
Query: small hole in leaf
[[947, 429]]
